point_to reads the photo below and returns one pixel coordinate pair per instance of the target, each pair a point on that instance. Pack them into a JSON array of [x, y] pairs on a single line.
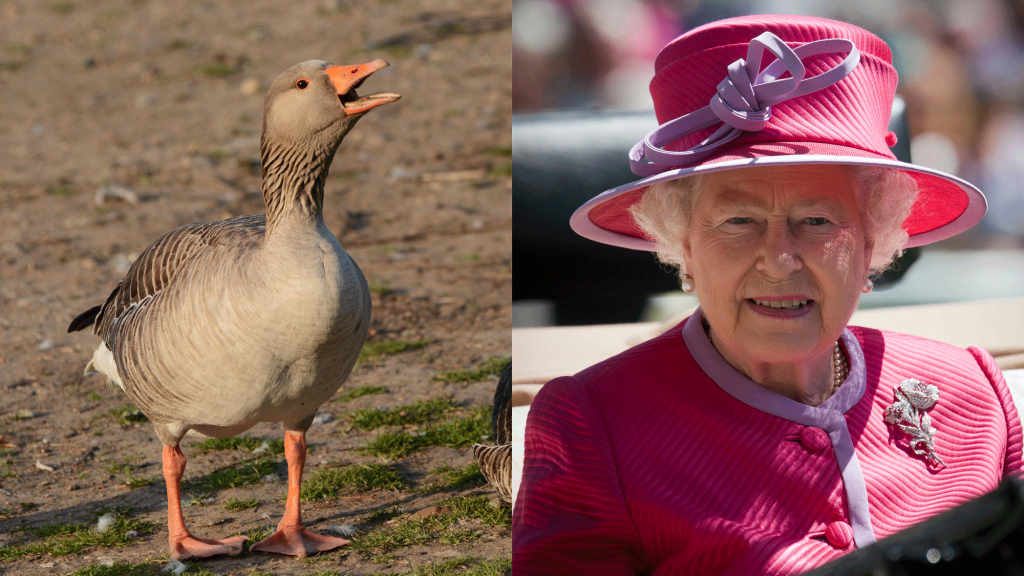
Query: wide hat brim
[[775, 90], [945, 205]]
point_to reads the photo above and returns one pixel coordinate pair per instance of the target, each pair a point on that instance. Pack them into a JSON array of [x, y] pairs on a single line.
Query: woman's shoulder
[[641, 371], [896, 346], [665, 352], [891, 354]]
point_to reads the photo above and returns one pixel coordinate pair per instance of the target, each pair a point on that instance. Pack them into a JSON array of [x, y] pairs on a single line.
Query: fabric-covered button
[[839, 534], [814, 438]]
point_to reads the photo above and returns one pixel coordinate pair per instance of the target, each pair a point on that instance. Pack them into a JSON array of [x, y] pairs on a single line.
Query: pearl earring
[[687, 283], [868, 285]]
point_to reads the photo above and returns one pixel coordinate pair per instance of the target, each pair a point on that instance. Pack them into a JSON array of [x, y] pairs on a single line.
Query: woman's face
[[779, 257]]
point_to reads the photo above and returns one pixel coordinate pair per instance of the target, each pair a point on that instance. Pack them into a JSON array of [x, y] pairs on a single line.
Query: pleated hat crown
[[772, 90], [853, 113]]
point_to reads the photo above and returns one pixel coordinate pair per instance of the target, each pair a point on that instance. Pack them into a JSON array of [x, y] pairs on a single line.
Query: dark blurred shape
[[983, 536], [559, 161]]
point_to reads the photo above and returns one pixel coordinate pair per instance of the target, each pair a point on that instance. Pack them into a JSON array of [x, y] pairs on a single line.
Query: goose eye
[[301, 84]]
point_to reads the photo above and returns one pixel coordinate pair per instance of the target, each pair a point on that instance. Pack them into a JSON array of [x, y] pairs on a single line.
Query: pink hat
[[825, 98]]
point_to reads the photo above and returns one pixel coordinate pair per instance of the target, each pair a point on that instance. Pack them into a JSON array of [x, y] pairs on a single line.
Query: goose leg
[[183, 544], [290, 537]]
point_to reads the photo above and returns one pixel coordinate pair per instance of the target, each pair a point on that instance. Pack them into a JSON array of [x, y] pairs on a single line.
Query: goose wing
[[158, 266], [496, 465]]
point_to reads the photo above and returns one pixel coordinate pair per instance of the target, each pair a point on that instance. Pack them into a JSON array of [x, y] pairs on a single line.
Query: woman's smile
[[783, 309]]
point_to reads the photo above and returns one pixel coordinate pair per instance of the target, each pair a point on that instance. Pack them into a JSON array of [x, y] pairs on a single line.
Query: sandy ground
[[165, 99]]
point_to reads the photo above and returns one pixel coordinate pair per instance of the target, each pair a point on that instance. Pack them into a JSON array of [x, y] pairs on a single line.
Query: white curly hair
[[886, 196]]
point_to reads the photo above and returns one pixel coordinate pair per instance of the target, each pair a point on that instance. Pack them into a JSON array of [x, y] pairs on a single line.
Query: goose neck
[[293, 183]]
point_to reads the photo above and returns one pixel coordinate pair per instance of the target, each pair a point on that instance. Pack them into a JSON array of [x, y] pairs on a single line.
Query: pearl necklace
[[840, 365]]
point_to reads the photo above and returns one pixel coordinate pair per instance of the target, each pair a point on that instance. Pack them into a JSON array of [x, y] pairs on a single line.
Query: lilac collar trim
[[829, 416]]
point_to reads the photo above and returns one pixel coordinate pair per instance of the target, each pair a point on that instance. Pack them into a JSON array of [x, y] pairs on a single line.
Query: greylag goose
[[496, 461], [219, 326]]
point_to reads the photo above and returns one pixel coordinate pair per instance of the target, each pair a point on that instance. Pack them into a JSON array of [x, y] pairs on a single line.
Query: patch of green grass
[[257, 533], [419, 412], [503, 170], [61, 190], [236, 504], [127, 415], [119, 569], [468, 475], [234, 476], [439, 528], [216, 70], [63, 539], [385, 347], [379, 287], [451, 567], [500, 151], [132, 483], [360, 392], [330, 482], [454, 433], [391, 445], [490, 367], [93, 397], [398, 50], [62, 7], [385, 514], [479, 507], [275, 447], [128, 468]]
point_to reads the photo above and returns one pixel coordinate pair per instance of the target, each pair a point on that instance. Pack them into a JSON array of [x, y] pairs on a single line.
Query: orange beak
[[347, 78]]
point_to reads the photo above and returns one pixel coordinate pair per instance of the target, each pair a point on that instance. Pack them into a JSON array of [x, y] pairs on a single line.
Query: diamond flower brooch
[[913, 397]]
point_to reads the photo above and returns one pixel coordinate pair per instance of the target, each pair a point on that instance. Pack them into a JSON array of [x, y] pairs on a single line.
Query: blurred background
[[961, 67]]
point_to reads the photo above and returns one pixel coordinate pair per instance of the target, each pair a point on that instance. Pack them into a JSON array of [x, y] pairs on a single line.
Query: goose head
[[314, 104]]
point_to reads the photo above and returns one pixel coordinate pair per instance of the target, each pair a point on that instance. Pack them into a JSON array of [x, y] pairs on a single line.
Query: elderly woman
[[763, 435]]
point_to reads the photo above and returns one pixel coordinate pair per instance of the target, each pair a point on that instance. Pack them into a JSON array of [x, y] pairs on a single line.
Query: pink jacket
[[665, 460]]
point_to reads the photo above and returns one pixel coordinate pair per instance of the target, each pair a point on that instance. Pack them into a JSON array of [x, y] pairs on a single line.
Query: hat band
[[743, 100]]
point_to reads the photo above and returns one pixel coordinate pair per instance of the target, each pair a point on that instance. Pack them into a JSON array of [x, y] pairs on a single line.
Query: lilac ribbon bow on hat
[[743, 101]]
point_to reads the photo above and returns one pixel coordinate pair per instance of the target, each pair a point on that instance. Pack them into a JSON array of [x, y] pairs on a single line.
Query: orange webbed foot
[[297, 542], [192, 547]]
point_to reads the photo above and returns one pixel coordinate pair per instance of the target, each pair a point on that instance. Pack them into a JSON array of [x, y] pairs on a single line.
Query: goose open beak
[[347, 78]]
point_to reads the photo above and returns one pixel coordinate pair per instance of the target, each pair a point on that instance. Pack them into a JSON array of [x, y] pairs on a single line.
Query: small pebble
[[132, 534], [42, 466], [431, 511], [108, 562], [270, 478], [262, 448], [250, 86], [46, 344], [323, 418], [116, 192], [400, 173]]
